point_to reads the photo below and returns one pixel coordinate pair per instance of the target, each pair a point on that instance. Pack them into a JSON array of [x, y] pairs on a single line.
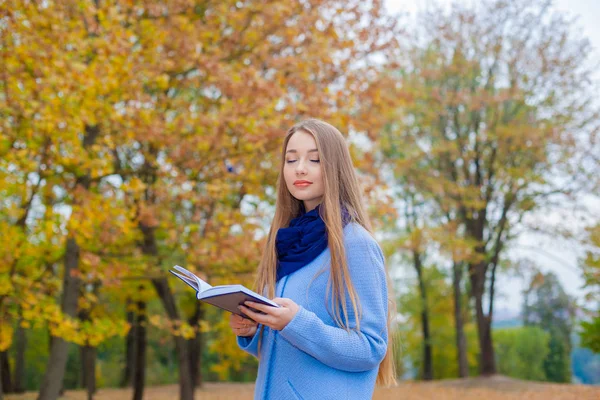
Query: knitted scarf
[[303, 240]]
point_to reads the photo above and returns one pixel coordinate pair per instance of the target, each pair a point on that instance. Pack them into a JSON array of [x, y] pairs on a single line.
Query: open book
[[227, 297]]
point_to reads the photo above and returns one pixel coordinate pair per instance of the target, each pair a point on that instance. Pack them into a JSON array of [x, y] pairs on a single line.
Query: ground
[[492, 388]]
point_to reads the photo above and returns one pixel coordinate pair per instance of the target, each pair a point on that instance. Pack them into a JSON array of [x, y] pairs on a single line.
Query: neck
[[311, 205]]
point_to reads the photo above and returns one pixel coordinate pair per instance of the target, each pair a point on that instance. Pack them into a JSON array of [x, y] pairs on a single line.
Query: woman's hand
[[274, 317], [242, 326]]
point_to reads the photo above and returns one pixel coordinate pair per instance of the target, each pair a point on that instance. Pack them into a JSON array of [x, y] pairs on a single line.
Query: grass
[[492, 388]]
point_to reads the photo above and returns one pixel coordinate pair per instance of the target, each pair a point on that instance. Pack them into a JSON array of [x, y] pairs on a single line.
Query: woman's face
[[302, 169]]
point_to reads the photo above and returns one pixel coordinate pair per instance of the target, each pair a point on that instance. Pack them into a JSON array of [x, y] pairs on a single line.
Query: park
[[140, 135]]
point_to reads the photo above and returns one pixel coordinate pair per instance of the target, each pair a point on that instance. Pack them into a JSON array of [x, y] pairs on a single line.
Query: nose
[[300, 168]]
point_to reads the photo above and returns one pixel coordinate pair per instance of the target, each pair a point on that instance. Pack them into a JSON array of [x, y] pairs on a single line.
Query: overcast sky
[[553, 255], [587, 12]]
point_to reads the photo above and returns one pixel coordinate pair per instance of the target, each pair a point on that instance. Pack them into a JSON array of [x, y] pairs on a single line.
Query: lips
[[302, 183]]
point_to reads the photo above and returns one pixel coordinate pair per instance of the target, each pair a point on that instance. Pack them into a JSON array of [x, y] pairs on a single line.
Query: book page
[[202, 285], [189, 281]]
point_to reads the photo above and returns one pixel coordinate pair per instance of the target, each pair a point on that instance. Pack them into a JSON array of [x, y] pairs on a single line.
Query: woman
[[329, 337]]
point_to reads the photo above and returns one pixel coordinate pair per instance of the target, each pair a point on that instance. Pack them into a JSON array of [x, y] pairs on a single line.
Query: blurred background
[[135, 135]]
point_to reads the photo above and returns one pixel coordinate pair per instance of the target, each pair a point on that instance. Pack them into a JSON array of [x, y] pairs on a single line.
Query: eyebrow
[[295, 151]]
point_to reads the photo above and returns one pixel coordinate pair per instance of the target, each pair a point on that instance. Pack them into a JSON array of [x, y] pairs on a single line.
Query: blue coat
[[311, 358]]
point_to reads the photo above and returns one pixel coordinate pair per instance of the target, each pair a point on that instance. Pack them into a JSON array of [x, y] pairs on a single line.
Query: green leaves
[[590, 335], [521, 352], [590, 265]]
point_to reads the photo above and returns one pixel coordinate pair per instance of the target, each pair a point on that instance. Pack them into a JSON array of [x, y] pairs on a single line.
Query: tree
[[415, 243], [522, 352], [590, 336], [442, 334], [200, 125], [491, 114], [547, 306], [590, 265], [162, 111], [458, 250]]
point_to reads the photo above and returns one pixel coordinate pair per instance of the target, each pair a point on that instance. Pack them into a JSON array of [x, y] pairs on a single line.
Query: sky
[[550, 254], [587, 13]]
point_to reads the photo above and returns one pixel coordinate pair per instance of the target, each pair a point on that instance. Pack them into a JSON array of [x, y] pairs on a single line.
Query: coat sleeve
[[250, 343], [354, 350]]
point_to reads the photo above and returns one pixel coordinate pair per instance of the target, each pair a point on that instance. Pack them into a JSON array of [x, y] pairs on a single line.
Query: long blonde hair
[[341, 188]]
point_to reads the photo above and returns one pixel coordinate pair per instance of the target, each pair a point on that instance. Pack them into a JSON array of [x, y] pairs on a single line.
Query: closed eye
[[293, 161]]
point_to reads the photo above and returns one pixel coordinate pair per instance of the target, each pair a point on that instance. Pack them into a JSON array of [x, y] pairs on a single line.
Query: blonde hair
[[341, 189]]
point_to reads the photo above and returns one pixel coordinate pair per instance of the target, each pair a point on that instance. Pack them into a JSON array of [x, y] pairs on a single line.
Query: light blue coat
[[311, 358]]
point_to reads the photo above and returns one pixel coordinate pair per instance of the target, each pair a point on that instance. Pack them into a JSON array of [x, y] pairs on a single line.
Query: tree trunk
[[195, 347], [6, 378], [487, 362], [129, 345], [88, 370], [21, 344], [87, 356], [139, 369], [1, 389], [484, 329], [461, 339], [50, 343], [161, 285], [186, 384], [427, 350], [55, 371]]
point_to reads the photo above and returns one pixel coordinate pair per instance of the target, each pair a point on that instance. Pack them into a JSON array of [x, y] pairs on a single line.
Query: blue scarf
[[302, 241]]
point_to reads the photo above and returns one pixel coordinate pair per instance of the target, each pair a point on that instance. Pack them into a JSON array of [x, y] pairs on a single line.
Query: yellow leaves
[[224, 345], [199, 88], [157, 321], [215, 188], [65, 328], [186, 331], [6, 286], [91, 333], [204, 326], [6, 335], [98, 330], [162, 82], [593, 237], [90, 259], [87, 301], [12, 242], [176, 328], [222, 370], [134, 185], [100, 221]]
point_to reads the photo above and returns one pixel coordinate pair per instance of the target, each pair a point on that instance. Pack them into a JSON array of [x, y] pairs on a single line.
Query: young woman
[[329, 338]]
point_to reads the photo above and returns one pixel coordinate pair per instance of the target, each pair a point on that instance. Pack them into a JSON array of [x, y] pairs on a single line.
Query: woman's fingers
[[242, 326], [258, 306], [282, 301], [273, 317], [258, 317], [237, 321]]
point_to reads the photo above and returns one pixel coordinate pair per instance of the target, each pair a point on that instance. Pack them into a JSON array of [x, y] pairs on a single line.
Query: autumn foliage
[[135, 135]]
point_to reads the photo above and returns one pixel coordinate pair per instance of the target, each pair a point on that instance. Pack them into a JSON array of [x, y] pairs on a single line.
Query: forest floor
[[491, 388]]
